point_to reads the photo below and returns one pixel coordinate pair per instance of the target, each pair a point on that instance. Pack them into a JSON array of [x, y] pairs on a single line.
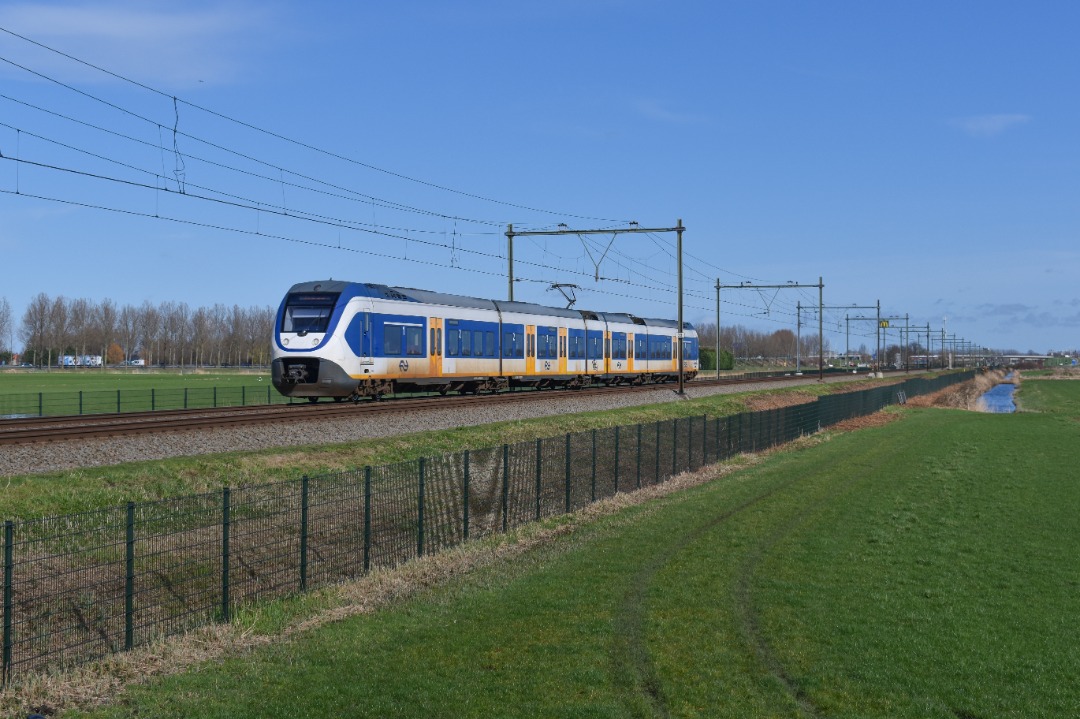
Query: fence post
[[80, 402], [704, 440], [225, 520], [639, 455], [616, 459], [594, 465], [118, 401], [185, 397], [9, 581], [568, 473], [303, 529], [539, 476], [657, 480], [367, 519], [506, 486], [465, 499], [153, 400], [420, 512], [41, 404], [215, 397], [243, 396], [129, 580], [674, 446]]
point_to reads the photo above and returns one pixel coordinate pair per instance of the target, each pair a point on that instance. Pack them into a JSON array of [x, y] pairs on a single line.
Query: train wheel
[[312, 400]]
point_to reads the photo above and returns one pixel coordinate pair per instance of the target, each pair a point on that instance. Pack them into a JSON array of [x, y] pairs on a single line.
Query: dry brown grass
[[964, 395]]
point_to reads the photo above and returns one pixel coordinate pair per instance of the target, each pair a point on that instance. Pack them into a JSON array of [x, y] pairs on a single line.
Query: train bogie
[[341, 339]]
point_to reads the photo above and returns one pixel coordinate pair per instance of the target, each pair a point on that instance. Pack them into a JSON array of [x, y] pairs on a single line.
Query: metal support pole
[[717, 328], [303, 532], [798, 336], [506, 487], [678, 234], [567, 473], [129, 579], [420, 511], [465, 499], [9, 597], [821, 329], [225, 521], [367, 518], [510, 262]]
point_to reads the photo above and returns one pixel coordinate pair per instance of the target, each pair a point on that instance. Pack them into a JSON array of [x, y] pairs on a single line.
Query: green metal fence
[[81, 586]]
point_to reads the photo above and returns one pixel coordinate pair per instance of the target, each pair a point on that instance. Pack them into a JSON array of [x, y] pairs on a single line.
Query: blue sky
[[923, 154]]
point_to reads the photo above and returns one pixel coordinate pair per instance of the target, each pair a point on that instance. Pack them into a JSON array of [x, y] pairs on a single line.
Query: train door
[[435, 342], [562, 350], [530, 350], [629, 351], [367, 357]]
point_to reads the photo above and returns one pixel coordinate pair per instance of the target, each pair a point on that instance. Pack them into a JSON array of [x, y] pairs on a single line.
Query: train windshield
[[308, 311]]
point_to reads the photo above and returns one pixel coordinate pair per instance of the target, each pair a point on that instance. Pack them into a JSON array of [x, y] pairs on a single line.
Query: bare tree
[[80, 317], [7, 326], [149, 324], [128, 330], [35, 327], [104, 322], [58, 334]]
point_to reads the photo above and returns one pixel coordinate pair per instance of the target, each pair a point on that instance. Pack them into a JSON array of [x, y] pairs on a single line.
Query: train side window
[[432, 342], [466, 344], [438, 341], [392, 335], [414, 341], [607, 347], [489, 343], [452, 342], [478, 343]]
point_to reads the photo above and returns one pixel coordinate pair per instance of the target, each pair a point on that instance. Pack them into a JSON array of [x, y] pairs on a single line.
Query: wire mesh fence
[[81, 586]]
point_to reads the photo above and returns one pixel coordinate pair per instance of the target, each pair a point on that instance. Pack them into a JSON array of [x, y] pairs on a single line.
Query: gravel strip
[[17, 460]]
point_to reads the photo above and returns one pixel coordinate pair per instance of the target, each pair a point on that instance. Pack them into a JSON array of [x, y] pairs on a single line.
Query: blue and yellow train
[[353, 340]]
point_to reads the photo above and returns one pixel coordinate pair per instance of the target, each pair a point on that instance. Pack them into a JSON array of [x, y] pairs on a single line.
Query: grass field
[[91, 380], [88, 391], [929, 567]]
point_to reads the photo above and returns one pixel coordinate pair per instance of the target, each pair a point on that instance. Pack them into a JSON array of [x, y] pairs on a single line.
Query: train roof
[[411, 294]]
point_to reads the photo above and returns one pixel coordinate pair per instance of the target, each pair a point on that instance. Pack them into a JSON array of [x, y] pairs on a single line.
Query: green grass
[[76, 391], [926, 568], [91, 380], [1058, 397]]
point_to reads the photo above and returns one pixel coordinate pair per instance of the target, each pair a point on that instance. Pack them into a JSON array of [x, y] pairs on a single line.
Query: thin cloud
[[152, 42], [655, 111], [989, 125]]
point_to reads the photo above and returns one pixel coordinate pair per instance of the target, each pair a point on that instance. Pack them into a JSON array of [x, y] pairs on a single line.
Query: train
[[352, 340]]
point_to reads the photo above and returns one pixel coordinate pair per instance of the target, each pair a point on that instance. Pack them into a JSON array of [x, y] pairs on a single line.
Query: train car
[[352, 340]]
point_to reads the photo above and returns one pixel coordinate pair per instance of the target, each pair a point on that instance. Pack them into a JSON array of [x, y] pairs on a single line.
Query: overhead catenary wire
[[642, 279]]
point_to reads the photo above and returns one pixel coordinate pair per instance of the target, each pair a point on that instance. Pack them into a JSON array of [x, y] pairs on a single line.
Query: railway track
[[64, 428]]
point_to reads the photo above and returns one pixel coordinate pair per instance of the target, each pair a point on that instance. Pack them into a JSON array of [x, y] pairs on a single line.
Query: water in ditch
[[1000, 398]]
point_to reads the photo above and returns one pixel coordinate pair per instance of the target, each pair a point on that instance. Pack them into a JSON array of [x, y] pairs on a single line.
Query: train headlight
[[285, 341]]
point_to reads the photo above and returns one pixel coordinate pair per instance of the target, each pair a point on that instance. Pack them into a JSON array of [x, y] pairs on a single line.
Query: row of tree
[[170, 333]]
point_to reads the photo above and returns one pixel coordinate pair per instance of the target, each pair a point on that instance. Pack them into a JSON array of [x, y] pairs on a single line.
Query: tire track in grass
[[630, 654], [749, 616]]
